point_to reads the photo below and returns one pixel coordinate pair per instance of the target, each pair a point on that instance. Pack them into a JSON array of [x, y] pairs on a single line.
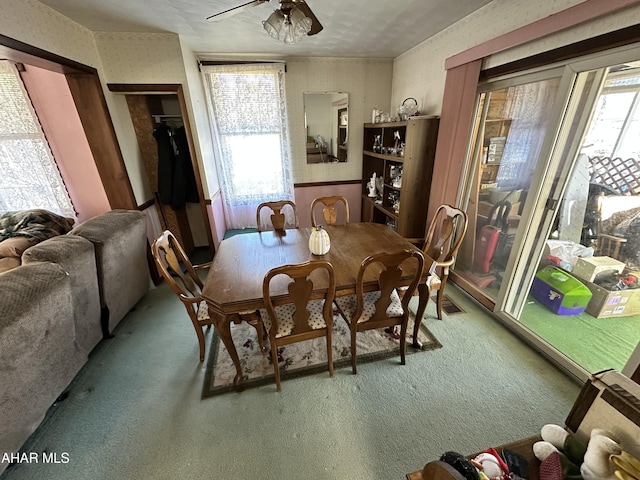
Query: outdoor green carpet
[[593, 343], [302, 358]]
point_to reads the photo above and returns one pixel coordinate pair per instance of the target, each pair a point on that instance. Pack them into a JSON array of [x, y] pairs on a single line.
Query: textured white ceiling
[[352, 28]]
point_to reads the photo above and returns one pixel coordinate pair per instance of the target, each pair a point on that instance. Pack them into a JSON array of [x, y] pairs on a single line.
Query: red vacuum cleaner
[[493, 246]]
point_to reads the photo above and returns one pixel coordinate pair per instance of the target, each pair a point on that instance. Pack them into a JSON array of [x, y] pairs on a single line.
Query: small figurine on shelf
[[380, 188], [397, 182], [395, 174], [372, 186], [377, 146], [397, 140]]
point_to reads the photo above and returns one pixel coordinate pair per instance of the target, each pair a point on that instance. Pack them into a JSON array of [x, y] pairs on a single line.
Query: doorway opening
[[159, 118]]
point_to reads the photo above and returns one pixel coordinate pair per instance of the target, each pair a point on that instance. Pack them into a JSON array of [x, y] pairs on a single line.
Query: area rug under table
[[303, 358]]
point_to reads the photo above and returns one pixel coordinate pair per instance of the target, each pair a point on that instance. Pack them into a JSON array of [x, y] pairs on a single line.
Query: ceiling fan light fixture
[[273, 25], [301, 23], [289, 25]]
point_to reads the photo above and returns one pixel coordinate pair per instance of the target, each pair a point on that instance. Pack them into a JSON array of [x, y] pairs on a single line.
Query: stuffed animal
[[602, 459], [490, 465]]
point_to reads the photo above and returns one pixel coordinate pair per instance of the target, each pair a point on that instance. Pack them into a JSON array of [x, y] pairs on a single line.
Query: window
[[30, 176], [616, 126], [251, 135]]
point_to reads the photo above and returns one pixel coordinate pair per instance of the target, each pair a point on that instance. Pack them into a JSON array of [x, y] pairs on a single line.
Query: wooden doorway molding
[[173, 89], [86, 90]]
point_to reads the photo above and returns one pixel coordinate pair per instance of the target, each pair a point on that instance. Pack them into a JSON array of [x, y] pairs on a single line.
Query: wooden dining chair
[[278, 219], [329, 212], [442, 242], [382, 308], [182, 277], [296, 317]]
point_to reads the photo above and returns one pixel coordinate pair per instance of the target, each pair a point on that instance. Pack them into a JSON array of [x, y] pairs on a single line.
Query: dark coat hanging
[[166, 163], [184, 180], [176, 179]]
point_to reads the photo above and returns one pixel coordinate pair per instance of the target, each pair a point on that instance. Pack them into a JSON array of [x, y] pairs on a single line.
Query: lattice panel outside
[[621, 175]]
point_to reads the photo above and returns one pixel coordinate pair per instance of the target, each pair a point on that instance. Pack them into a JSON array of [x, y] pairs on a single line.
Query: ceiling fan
[[290, 11]]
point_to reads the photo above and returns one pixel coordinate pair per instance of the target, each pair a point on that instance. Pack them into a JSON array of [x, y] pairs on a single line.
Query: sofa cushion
[[9, 263], [120, 240], [76, 256], [38, 354], [15, 246]]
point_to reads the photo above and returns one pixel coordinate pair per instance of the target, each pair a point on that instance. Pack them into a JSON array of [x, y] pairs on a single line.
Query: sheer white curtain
[[29, 175], [251, 137], [529, 107]]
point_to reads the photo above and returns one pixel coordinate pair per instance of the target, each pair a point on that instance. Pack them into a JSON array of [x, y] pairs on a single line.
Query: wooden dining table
[[234, 282]]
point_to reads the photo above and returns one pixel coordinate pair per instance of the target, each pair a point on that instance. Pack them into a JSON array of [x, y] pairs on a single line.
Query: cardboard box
[[589, 268], [611, 401], [610, 304]]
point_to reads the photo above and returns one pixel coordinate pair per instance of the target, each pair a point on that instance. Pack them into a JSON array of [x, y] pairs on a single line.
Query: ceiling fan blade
[[316, 26], [233, 11]]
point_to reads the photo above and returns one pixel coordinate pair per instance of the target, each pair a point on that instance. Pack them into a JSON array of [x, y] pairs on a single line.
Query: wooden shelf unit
[[419, 137]]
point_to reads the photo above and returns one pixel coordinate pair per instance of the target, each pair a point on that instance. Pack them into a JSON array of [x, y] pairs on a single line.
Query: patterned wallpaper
[[140, 57], [420, 72], [368, 83], [36, 24]]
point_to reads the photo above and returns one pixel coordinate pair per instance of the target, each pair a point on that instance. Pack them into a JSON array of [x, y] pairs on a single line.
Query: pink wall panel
[[56, 110], [456, 120], [305, 195], [217, 220]]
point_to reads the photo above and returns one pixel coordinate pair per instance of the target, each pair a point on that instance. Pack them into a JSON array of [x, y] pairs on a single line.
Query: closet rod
[[157, 118]]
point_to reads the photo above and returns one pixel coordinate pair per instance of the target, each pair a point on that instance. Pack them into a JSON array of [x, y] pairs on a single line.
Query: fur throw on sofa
[[37, 224], [22, 229]]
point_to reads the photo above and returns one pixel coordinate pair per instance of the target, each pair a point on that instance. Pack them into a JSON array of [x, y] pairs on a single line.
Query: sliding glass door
[[510, 150], [529, 174]]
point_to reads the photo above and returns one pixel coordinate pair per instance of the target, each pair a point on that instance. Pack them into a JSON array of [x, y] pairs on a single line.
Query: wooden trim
[[472, 290], [328, 184], [607, 41], [91, 104], [214, 197], [557, 22], [160, 88], [213, 63], [17, 51], [147, 204], [194, 164]]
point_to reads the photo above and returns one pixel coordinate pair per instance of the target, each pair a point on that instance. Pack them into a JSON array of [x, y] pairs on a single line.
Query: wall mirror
[[326, 121]]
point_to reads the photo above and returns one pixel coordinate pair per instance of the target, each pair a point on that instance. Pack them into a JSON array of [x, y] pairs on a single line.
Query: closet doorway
[[159, 117]]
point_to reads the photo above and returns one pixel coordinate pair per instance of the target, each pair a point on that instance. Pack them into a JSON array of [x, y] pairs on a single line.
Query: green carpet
[[135, 410], [231, 233], [593, 343]]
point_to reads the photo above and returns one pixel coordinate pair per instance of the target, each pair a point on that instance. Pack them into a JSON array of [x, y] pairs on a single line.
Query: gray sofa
[[69, 293]]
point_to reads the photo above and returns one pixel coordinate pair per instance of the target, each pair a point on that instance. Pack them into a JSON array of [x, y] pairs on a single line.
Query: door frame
[[173, 89], [88, 96]]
